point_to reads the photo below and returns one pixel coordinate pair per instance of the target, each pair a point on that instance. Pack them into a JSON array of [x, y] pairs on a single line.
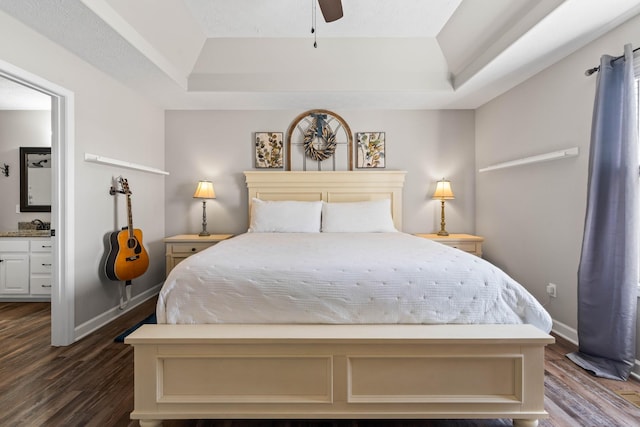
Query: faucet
[[39, 224]]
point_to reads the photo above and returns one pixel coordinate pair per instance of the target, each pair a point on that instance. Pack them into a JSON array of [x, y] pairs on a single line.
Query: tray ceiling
[[256, 54]]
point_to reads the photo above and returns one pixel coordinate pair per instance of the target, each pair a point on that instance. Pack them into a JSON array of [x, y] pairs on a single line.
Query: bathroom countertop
[[25, 233]]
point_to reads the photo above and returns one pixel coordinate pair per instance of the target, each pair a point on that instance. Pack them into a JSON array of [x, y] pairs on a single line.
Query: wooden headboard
[[330, 186]]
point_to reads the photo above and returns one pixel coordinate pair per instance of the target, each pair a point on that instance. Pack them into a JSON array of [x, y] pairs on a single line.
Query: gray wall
[[218, 145], [113, 121], [19, 129], [533, 216]]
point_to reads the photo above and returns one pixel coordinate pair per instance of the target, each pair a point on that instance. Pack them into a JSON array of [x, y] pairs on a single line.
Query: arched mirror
[[35, 179]]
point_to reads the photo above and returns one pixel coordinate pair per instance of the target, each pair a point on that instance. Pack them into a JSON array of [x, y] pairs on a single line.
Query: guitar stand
[[127, 286], [113, 191], [127, 291]]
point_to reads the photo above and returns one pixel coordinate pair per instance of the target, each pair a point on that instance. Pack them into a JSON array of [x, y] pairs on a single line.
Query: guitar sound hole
[[131, 243]]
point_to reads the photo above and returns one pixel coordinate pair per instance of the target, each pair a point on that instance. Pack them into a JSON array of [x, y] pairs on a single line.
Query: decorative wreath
[[319, 128]]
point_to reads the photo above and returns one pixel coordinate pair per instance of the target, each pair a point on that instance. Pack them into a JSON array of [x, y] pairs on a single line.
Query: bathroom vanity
[[25, 265]]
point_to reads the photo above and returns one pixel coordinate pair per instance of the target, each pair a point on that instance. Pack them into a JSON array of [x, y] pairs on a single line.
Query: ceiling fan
[[331, 9]]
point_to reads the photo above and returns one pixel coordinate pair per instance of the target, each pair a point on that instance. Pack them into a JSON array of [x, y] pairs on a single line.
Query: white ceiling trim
[[103, 10], [546, 43]]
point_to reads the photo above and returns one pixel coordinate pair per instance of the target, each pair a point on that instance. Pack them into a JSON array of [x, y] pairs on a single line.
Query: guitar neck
[[130, 217]]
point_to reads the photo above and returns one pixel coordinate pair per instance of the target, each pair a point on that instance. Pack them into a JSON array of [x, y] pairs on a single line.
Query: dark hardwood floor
[[90, 383]]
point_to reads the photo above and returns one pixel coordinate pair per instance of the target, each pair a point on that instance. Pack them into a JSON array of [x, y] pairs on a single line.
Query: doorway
[[62, 212]]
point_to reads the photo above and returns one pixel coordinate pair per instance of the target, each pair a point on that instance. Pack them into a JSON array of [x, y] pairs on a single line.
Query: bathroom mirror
[[35, 179]]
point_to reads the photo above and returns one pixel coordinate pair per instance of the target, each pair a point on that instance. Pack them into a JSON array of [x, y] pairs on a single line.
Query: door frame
[[62, 200]]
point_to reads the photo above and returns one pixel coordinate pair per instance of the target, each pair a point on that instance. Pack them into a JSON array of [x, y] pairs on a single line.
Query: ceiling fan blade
[[331, 9]]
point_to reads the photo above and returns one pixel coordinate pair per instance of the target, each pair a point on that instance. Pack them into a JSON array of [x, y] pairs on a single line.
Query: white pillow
[[285, 216], [358, 217]]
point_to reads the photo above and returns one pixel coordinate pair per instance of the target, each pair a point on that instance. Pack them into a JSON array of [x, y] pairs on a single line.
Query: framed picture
[[269, 150], [370, 150]]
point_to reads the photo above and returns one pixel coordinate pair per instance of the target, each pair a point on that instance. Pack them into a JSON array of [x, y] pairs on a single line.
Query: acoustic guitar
[[127, 257]]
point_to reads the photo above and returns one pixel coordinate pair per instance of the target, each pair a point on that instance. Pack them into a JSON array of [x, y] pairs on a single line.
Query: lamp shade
[[443, 190], [204, 191]]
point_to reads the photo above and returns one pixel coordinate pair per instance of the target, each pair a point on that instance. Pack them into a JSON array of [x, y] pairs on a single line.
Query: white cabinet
[[25, 268], [14, 267], [40, 267]]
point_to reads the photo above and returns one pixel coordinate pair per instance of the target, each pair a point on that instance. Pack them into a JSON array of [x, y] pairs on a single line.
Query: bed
[[284, 322]]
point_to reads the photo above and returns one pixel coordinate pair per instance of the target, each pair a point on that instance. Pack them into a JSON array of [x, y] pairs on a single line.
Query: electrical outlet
[[551, 290]]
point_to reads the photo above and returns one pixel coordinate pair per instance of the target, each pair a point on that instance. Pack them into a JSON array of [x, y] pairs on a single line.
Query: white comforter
[[342, 278]]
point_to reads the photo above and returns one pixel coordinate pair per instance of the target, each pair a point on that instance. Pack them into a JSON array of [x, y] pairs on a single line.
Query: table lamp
[[443, 192], [204, 191]]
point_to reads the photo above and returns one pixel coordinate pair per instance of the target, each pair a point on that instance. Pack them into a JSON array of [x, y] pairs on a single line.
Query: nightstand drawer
[[183, 246], [464, 242], [188, 248], [463, 246]]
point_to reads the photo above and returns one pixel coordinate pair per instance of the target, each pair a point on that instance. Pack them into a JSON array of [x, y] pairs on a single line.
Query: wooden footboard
[[338, 371]]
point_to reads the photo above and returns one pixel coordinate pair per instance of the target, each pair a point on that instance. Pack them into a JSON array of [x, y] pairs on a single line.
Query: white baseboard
[[99, 321], [571, 335], [566, 332]]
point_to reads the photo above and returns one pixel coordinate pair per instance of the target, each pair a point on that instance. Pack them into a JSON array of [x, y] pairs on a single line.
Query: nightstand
[[184, 245], [464, 242]]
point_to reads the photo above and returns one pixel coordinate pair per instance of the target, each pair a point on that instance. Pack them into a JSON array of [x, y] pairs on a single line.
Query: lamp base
[[204, 231], [442, 231]]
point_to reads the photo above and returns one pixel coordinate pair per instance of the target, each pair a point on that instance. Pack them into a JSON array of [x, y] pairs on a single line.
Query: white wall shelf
[[561, 154], [94, 158]]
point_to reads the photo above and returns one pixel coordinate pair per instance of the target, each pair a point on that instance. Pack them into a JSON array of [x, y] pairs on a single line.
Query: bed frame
[[337, 371]]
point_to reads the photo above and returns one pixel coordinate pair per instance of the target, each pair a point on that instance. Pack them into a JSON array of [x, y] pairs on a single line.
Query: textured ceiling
[[258, 54], [14, 96], [292, 18]]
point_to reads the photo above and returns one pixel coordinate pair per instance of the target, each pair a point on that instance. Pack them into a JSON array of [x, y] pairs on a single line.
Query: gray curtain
[[608, 270]]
